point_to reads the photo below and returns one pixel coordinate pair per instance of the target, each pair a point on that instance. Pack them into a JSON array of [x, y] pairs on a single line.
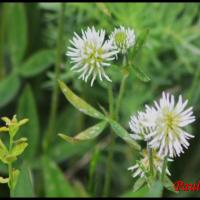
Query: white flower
[[91, 54], [143, 167], [167, 121], [123, 38], [137, 126]]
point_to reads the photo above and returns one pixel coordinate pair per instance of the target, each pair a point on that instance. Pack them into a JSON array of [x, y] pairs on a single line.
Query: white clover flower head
[[143, 167], [167, 124], [90, 54], [137, 126], [123, 38]]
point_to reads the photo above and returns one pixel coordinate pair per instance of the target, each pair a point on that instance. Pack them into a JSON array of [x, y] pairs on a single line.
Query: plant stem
[[121, 92], [54, 102], [164, 168], [122, 87], [10, 167], [115, 115], [110, 97], [150, 155], [110, 153], [92, 168], [109, 166]]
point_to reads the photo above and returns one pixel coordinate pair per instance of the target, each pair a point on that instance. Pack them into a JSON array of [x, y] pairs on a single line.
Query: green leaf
[[15, 175], [93, 165], [3, 151], [94, 160], [24, 187], [3, 148], [168, 184], [13, 129], [80, 189], [37, 63], [155, 190], [9, 158], [138, 184], [140, 40], [139, 73], [140, 193], [23, 139], [18, 148], [4, 180], [17, 32], [27, 108], [56, 152], [78, 103], [88, 134], [121, 132], [8, 89], [4, 129], [55, 184]]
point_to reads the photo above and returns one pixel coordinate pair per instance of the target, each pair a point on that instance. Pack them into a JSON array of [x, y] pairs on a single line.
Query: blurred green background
[[170, 57]]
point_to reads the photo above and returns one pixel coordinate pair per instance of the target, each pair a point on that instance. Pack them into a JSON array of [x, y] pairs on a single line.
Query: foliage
[[166, 57]]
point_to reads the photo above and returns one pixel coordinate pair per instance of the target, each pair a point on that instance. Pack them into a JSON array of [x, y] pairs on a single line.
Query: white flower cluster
[[123, 38], [92, 53], [142, 167], [162, 127]]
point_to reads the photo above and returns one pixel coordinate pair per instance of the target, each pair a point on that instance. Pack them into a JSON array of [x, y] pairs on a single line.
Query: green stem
[[150, 155], [116, 116], [121, 89], [164, 168], [110, 97], [10, 167], [109, 166], [92, 168], [110, 153], [54, 102], [121, 92]]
